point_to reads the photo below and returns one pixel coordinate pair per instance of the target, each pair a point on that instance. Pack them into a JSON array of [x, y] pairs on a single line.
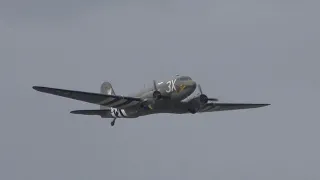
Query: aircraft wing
[[210, 107], [94, 98]]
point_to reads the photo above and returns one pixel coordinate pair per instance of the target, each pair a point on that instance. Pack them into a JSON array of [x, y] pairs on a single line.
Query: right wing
[[211, 107], [94, 98]]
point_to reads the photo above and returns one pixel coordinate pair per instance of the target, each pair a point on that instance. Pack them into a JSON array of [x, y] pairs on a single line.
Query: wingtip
[[74, 112], [77, 111], [37, 88], [264, 105]]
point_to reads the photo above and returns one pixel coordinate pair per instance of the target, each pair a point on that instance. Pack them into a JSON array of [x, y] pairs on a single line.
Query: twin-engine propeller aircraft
[[164, 97]]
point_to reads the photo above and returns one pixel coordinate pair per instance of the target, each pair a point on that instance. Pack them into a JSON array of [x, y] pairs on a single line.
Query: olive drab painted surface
[[172, 96]]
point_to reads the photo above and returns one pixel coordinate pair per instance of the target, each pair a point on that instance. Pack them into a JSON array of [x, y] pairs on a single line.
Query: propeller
[[156, 93], [203, 97], [155, 85], [199, 87]]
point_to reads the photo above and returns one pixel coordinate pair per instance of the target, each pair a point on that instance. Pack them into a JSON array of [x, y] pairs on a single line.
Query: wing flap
[[210, 107], [94, 98]]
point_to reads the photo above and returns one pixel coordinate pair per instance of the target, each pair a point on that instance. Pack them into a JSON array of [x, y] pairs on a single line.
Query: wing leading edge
[[94, 98], [210, 107]]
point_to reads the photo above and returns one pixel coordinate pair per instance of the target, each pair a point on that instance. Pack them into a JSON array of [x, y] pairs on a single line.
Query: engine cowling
[[194, 105], [203, 98], [197, 102], [157, 95]]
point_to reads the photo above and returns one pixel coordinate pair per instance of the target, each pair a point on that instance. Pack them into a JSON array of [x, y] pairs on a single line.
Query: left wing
[[210, 107], [94, 98]]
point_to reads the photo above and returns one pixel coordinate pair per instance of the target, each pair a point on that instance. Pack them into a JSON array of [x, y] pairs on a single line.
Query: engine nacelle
[[197, 103], [157, 95], [203, 99]]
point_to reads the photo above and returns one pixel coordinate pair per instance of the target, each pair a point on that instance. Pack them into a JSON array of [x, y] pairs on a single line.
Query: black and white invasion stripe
[[119, 103], [118, 113]]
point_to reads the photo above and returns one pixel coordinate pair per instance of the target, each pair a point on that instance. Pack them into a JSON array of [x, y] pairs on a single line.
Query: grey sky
[[240, 51]]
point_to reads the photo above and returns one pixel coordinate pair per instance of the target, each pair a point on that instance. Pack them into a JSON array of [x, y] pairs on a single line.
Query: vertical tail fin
[[106, 88]]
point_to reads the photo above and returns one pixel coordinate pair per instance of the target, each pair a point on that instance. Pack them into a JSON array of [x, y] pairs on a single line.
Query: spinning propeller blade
[[213, 99], [155, 85], [209, 99], [200, 88]]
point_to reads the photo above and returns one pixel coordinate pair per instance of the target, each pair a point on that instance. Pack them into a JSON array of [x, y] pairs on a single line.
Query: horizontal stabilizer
[[104, 113], [99, 112]]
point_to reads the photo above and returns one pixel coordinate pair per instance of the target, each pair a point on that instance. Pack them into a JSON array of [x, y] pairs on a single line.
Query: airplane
[[171, 96]]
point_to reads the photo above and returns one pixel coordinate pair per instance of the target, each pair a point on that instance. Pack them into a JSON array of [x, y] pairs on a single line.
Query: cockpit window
[[184, 78]]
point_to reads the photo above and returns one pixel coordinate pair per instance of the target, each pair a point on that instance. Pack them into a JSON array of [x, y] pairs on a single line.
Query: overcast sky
[[239, 51]]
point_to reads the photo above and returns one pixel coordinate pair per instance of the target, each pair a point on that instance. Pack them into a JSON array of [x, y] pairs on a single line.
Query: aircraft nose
[[192, 84]]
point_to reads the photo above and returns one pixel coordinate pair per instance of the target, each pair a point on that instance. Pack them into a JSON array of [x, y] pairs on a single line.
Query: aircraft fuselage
[[173, 91]]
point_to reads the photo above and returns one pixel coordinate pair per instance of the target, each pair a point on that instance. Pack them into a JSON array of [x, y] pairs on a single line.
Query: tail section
[[100, 112], [106, 88]]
